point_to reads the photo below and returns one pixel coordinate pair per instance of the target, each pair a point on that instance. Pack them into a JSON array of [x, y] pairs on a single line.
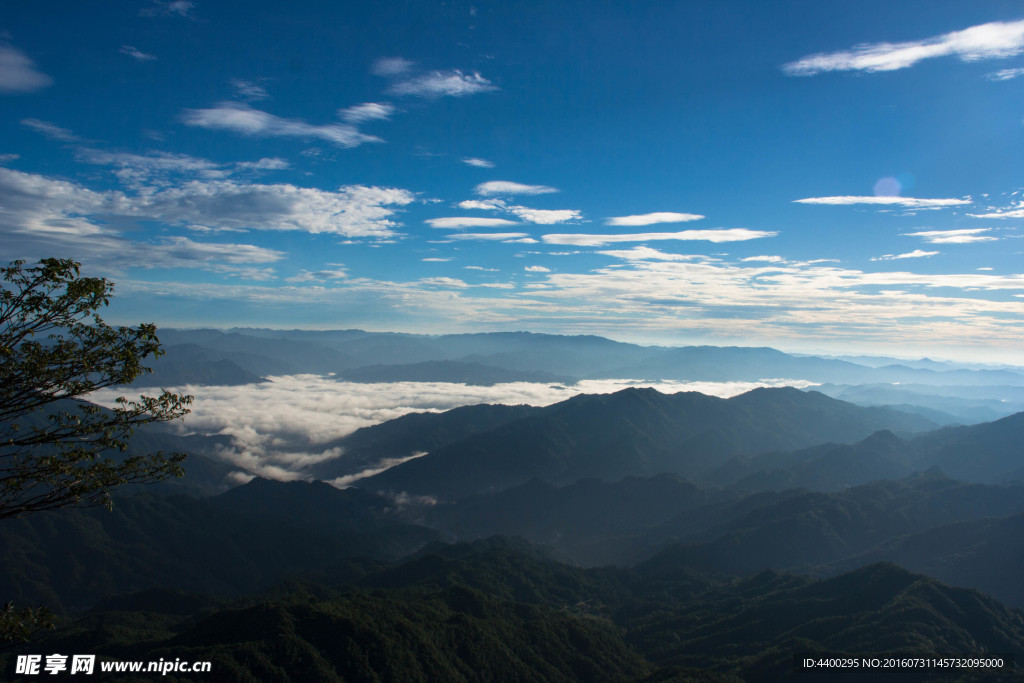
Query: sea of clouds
[[280, 427]]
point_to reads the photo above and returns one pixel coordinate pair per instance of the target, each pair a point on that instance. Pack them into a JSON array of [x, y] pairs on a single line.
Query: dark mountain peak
[[883, 438]]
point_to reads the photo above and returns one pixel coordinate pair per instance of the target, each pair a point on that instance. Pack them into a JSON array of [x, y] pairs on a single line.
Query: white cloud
[[456, 222], [8, 158], [50, 130], [719, 235], [490, 236], [479, 163], [763, 259], [995, 40], [537, 269], [535, 216], [450, 282], [964, 236], [35, 205], [1016, 212], [392, 66], [1005, 74], [908, 202], [368, 111], [644, 254], [43, 216], [18, 73], [442, 83], [351, 211], [249, 90], [483, 204], [481, 268], [136, 53], [917, 253], [242, 119], [545, 216], [496, 187], [652, 218], [145, 171], [435, 259]]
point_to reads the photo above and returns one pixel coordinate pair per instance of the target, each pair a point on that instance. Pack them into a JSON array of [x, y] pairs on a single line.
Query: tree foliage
[[56, 449]]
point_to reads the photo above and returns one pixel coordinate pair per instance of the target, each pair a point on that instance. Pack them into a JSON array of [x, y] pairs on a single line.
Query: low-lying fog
[[279, 427]]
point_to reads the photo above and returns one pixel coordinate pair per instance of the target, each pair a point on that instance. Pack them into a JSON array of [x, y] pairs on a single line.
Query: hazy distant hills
[[987, 452], [636, 432], [274, 352], [449, 371]]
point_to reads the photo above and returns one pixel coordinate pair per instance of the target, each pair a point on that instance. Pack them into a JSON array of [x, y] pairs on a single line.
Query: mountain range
[[246, 355]]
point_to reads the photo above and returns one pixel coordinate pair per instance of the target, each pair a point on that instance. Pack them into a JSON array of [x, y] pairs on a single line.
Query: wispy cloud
[[169, 8], [50, 130], [1017, 211], [490, 236], [242, 119], [718, 235], [479, 163], [368, 111], [525, 213], [435, 259], [500, 187], [537, 269], [392, 66], [653, 218], [483, 204], [964, 236], [643, 253], [18, 73], [136, 53], [325, 275], [162, 168], [763, 259], [906, 202], [1005, 74], [457, 222], [995, 40], [442, 84], [249, 91], [917, 253]]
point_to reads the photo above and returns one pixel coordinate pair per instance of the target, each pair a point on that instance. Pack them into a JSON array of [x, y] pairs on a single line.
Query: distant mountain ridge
[[273, 352], [636, 432]]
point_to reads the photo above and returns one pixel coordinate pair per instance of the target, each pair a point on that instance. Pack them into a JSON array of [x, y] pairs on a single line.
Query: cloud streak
[[506, 187], [964, 236], [18, 73], [458, 222], [452, 83], [906, 202], [917, 253], [719, 235], [50, 130], [244, 120], [136, 54], [653, 218], [995, 40]]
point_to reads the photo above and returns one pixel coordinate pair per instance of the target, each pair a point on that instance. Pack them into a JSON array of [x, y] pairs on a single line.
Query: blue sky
[[825, 176]]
